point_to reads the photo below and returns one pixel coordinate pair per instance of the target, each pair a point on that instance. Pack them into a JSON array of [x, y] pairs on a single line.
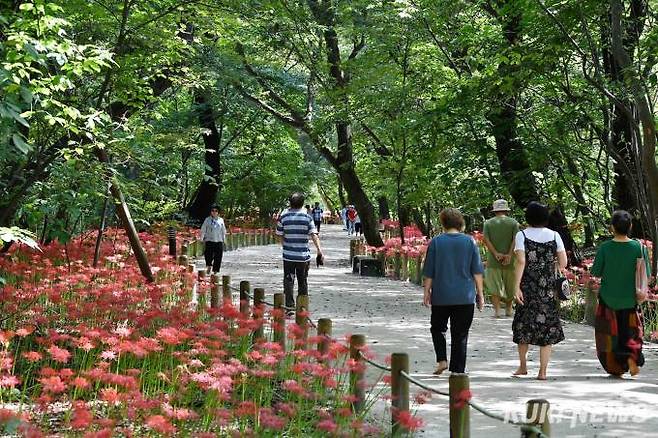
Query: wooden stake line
[[244, 297], [259, 297], [324, 332], [279, 327], [537, 413]]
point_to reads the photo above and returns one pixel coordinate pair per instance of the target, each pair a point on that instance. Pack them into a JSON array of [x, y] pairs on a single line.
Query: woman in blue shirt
[[453, 274]]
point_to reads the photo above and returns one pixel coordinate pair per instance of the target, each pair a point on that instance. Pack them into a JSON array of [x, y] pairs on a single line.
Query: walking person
[[621, 263], [343, 217], [452, 284], [537, 317], [358, 227], [294, 228], [317, 216], [351, 218], [499, 279], [213, 234]]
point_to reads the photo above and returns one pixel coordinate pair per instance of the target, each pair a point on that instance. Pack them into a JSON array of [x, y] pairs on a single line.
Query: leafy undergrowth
[[98, 352]]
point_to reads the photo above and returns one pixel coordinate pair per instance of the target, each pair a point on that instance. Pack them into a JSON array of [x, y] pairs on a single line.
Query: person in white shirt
[[213, 233]]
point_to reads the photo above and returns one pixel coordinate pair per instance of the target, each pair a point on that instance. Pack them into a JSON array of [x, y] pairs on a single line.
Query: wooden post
[[201, 275], [259, 297], [538, 414], [184, 248], [419, 270], [301, 315], [324, 333], [352, 250], [214, 291], [399, 390], [404, 272], [226, 288], [357, 382], [244, 297], [279, 321], [183, 260], [459, 388], [191, 267], [591, 301]]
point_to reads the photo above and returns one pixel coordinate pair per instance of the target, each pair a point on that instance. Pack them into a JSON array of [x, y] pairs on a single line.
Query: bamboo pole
[[244, 297], [538, 414], [324, 333], [259, 297]]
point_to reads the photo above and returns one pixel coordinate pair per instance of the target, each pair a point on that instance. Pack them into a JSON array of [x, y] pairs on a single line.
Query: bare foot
[[440, 367], [632, 367], [508, 311], [521, 371], [541, 376]]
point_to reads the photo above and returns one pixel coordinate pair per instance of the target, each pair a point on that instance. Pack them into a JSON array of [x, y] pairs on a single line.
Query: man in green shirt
[[499, 280]]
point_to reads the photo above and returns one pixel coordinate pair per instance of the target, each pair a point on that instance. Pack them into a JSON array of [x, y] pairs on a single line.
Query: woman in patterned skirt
[[618, 325], [537, 317]]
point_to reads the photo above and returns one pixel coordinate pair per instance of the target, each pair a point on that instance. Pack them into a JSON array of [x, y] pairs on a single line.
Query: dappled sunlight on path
[[585, 402]]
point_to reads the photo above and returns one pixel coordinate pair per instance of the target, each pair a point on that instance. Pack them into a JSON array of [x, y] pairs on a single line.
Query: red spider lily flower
[[246, 409], [462, 398], [32, 356], [53, 384], [289, 409], [327, 425], [108, 355], [408, 421], [160, 424], [80, 383], [82, 417], [110, 395], [59, 354], [24, 331], [271, 421], [9, 381]]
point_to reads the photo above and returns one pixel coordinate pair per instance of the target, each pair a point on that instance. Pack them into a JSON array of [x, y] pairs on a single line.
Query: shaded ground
[[584, 401]]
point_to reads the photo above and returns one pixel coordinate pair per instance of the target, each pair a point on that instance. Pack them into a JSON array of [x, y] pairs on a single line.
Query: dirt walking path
[[584, 401]]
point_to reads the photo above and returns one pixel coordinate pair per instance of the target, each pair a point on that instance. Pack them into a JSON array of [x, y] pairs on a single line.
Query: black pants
[[317, 225], [290, 271], [461, 317], [213, 254], [357, 228]]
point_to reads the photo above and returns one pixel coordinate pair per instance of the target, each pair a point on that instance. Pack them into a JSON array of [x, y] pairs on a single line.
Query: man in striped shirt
[[294, 228]]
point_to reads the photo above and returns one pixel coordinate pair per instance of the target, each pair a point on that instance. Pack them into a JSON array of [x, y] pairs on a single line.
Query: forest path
[[585, 402]]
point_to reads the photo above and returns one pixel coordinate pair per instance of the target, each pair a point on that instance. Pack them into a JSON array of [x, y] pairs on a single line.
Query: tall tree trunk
[[206, 193], [101, 229], [341, 192], [384, 211], [645, 129], [512, 157], [625, 193]]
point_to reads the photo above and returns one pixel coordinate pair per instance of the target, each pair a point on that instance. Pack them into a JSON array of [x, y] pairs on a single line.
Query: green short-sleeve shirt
[[500, 231], [615, 263]]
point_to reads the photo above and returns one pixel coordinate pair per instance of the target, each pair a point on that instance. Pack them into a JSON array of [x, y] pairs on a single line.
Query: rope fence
[[459, 395]]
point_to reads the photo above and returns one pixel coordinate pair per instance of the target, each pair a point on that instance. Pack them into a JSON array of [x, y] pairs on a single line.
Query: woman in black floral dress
[[537, 318]]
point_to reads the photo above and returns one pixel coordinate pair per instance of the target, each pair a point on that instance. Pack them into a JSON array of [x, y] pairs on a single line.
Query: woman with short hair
[[618, 326], [537, 319], [453, 276], [213, 234]]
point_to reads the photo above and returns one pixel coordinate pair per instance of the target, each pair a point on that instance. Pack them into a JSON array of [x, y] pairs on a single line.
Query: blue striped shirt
[[295, 226]]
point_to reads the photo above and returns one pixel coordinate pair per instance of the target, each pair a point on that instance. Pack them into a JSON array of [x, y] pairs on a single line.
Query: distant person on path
[[499, 280], [308, 209], [537, 316], [343, 216], [351, 218], [294, 229], [618, 326], [453, 283], [213, 234], [558, 222], [358, 228], [317, 216]]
